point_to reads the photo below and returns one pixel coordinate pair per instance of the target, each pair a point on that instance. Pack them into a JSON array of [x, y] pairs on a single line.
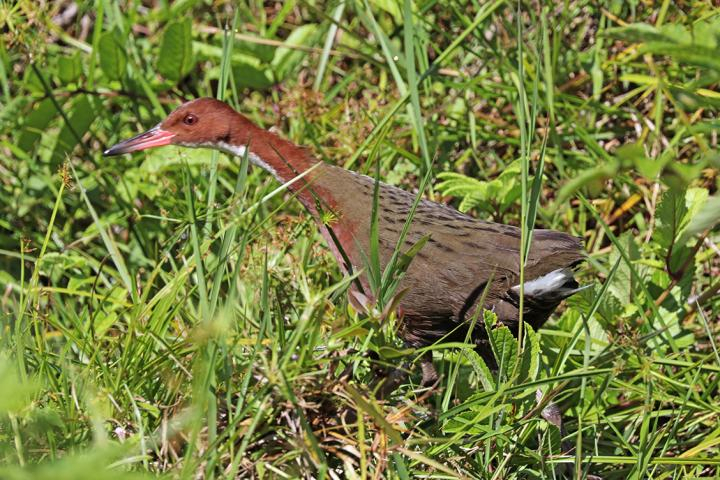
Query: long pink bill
[[155, 137]]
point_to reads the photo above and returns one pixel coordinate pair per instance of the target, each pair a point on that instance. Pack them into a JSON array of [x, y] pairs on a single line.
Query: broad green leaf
[[707, 33], [18, 394], [113, 59], [679, 175], [674, 213], [249, 75], [390, 6], [697, 55], [671, 217], [388, 353], [103, 321], [695, 200], [81, 116], [637, 33], [287, 58], [706, 217], [69, 68], [35, 124], [623, 284], [634, 154], [609, 311], [32, 82], [13, 110], [247, 70], [264, 53], [677, 33], [592, 178], [694, 47], [701, 213], [176, 58]]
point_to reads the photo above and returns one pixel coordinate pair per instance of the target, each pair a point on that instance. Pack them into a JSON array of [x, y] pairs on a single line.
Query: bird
[[463, 264]]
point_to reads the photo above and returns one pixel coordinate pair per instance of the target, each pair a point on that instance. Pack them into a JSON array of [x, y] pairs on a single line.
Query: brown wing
[[462, 255]]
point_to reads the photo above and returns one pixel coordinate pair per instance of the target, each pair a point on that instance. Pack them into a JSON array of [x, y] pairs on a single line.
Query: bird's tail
[[552, 287]]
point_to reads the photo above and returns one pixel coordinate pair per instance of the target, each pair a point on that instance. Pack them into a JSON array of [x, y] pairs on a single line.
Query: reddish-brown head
[[204, 122]]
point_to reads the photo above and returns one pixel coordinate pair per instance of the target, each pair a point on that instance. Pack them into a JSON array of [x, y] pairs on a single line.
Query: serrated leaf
[[502, 342], [671, 216], [457, 184], [502, 191], [505, 347], [609, 311], [489, 319], [113, 60], [481, 370], [176, 57], [675, 212], [531, 355]]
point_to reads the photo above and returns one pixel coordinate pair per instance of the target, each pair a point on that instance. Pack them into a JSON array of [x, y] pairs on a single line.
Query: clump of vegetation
[[175, 313]]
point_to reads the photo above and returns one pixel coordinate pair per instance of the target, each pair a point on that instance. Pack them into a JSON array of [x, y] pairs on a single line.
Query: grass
[[177, 314]]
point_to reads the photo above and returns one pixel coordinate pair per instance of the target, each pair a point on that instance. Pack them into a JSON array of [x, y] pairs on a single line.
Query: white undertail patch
[[550, 284]]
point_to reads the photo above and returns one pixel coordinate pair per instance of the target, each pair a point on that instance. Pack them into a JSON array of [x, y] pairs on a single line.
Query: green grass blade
[[109, 243], [327, 47]]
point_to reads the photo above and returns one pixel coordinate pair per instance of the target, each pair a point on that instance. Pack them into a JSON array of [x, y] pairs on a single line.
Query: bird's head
[[204, 122]]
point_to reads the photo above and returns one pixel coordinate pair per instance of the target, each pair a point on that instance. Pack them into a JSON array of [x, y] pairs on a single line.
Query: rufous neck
[[282, 158]]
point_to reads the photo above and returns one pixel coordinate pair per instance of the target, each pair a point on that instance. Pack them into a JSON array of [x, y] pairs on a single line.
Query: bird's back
[[462, 259]]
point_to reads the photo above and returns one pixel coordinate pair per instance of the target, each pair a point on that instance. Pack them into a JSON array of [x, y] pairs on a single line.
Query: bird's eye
[[190, 119]]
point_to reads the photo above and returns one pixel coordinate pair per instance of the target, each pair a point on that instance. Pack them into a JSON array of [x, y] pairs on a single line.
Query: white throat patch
[[239, 151]]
